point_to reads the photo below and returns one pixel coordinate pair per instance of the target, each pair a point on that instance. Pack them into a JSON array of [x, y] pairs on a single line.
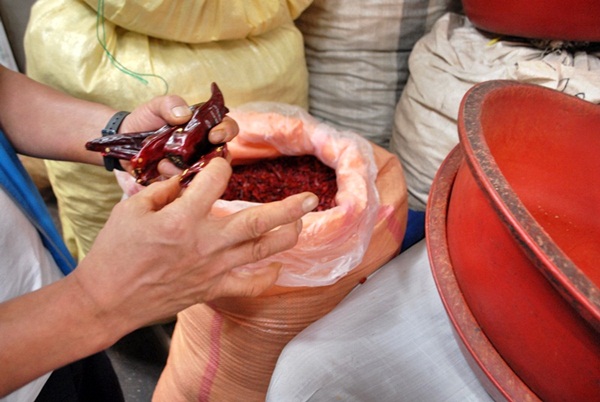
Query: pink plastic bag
[[334, 241]]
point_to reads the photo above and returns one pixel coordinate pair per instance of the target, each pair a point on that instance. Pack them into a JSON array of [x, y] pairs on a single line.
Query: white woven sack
[[357, 54], [445, 64]]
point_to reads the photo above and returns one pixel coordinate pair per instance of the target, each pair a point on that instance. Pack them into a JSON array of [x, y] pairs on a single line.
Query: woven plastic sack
[[200, 21], [445, 64], [227, 350], [63, 51], [357, 55]]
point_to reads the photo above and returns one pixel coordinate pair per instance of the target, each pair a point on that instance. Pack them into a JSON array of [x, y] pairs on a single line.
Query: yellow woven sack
[[227, 350], [200, 21], [63, 51]]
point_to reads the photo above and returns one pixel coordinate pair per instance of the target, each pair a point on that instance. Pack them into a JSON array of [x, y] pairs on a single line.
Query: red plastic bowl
[[575, 20], [519, 229]]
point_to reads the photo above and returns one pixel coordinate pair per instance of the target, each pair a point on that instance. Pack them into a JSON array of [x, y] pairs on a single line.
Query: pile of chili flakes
[[275, 179]]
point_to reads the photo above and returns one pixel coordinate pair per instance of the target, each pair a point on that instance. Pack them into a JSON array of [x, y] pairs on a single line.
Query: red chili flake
[[275, 179], [362, 280]]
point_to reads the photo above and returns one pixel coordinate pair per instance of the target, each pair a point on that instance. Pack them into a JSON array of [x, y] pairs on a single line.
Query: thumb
[[171, 109]]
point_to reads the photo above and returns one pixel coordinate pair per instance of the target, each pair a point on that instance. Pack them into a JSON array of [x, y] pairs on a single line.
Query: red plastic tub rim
[[566, 277]]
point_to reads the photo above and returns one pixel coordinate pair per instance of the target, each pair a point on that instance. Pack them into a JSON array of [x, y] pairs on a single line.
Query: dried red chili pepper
[[187, 146], [275, 179]]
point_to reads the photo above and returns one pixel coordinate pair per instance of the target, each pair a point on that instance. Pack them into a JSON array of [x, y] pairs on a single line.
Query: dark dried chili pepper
[[275, 179], [187, 146]]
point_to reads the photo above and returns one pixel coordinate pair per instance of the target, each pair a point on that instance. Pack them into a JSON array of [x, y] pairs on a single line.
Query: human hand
[[162, 250], [222, 132], [172, 110]]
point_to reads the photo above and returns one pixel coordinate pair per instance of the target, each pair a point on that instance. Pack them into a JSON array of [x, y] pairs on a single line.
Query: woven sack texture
[[445, 64], [357, 54]]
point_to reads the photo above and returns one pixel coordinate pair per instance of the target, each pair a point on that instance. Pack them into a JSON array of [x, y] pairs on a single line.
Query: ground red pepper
[[275, 179]]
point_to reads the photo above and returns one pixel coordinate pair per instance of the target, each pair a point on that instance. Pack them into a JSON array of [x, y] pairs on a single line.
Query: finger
[[259, 248], [248, 283], [224, 131], [253, 222], [157, 195], [171, 109], [207, 186], [166, 168]]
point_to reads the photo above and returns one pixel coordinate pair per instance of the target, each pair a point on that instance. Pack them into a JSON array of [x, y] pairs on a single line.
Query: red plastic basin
[[518, 230], [575, 20]]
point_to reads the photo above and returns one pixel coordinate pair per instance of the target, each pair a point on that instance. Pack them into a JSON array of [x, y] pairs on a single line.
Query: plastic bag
[[332, 242]]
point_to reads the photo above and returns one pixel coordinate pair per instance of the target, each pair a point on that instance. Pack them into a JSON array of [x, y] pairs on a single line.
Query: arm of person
[[160, 252], [42, 122]]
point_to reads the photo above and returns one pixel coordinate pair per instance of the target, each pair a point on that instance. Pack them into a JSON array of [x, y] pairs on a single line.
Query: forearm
[[46, 123], [161, 251], [48, 329]]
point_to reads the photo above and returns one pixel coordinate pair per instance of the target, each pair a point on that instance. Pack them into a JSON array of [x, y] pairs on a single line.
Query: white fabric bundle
[[388, 340], [445, 64]]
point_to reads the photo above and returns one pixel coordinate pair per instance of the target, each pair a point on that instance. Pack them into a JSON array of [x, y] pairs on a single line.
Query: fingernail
[[310, 203], [181, 111], [217, 136]]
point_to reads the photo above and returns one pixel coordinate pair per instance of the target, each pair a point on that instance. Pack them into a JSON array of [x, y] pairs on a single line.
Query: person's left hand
[[173, 110], [222, 132]]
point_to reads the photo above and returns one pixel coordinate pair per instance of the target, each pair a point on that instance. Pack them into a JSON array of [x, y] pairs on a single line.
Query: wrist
[[112, 128], [103, 322]]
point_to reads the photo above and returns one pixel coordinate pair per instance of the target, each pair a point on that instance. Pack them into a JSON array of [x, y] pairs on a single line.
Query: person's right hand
[[162, 250]]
